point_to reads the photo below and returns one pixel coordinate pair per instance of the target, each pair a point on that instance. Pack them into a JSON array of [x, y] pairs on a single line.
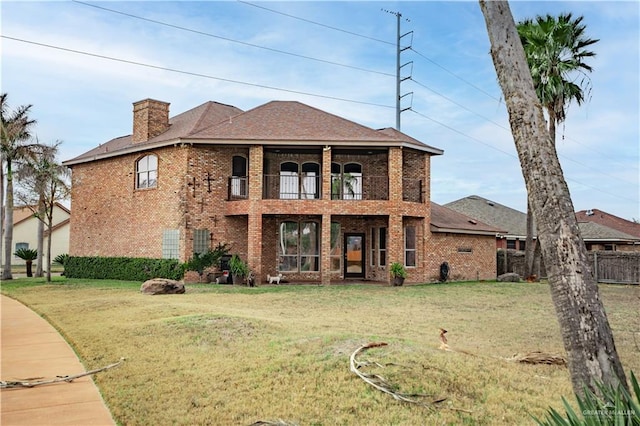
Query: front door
[[354, 255]]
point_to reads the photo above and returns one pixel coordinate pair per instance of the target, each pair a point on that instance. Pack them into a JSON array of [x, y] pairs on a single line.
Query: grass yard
[[225, 355]]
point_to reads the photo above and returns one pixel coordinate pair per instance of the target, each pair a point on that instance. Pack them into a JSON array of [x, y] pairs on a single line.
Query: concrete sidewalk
[[33, 350]]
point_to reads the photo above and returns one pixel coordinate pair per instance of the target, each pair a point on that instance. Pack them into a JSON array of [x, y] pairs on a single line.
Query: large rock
[[509, 277], [162, 286]]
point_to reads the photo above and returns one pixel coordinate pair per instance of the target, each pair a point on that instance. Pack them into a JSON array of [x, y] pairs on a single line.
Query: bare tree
[[586, 333], [43, 183]]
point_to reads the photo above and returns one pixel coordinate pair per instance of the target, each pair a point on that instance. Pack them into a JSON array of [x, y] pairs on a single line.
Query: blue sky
[[344, 52]]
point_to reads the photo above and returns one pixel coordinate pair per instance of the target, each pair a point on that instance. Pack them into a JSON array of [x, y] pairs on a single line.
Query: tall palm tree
[[584, 326], [556, 50], [14, 133]]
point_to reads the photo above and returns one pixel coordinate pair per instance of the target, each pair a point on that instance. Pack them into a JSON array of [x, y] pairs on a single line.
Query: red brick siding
[[479, 264], [111, 218]]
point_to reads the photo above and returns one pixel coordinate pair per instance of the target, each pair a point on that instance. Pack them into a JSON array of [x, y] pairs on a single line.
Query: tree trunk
[[8, 226], [29, 264], [529, 248], [586, 333], [41, 216]]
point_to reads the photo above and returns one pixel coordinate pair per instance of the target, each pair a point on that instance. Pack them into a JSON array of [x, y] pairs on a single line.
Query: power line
[[282, 52], [439, 66], [513, 156], [309, 21], [126, 61]]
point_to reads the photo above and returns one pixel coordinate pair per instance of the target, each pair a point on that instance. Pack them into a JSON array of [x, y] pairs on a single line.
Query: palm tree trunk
[[585, 329], [8, 227]]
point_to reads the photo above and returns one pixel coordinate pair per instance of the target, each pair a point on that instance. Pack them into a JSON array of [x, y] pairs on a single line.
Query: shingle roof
[[444, 219], [511, 221], [180, 126], [592, 231], [274, 122], [609, 220]]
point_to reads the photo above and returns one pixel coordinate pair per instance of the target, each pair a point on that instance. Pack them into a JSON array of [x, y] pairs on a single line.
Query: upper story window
[[239, 187], [299, 181], [147, 172], [346, 181]]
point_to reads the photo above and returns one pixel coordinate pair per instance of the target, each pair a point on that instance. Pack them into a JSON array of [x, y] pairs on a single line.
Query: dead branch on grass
[[381, 383], [535, 357], [273, 423], [58, 379]]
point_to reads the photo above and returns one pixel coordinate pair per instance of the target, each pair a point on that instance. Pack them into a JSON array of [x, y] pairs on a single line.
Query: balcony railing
[[356, 187], [238, 188], [413, 190], [308, 187], [292, 186]]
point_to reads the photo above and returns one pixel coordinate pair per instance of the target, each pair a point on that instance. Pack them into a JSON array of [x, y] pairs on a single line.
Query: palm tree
[[584, 326], [15, 131], [556, 50], [28, 255]]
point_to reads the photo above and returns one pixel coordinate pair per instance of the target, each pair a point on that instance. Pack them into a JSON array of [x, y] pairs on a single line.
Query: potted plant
[[398, 273], [238, 269]]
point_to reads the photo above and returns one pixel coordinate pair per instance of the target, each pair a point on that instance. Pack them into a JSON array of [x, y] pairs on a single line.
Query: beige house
[[25, 231]]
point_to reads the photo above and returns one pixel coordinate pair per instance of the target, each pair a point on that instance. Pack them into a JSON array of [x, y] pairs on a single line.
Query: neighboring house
[[25, 231], [468, 246], [600, 237], [511, 221], [609, 220], [604, 232], [288, 187]]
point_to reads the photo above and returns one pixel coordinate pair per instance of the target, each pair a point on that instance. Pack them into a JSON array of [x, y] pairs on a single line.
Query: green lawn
[[234, 355]]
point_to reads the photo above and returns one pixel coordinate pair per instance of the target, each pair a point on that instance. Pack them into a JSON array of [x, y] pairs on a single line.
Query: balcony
[[413, 190], [292, 186], [300, 186]]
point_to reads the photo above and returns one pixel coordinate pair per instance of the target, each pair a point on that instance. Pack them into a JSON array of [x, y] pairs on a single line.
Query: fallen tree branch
[[58, 379], [380, 382], [535, 357]]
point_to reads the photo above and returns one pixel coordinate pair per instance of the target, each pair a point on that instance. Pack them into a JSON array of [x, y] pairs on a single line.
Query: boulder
[[162, 286], [511, 277]]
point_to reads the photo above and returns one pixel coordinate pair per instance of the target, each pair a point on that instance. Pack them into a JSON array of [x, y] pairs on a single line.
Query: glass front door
[[354, 255]]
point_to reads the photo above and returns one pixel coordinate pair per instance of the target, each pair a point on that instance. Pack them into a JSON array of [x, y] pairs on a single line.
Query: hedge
[[122, 268]]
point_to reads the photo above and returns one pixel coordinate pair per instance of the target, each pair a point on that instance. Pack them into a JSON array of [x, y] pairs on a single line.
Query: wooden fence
[[607, 266]]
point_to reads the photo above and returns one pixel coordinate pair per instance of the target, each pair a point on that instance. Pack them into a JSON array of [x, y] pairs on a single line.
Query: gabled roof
[[511, 221], [609, 220], [23, 213], [444, 219], [274, 123]]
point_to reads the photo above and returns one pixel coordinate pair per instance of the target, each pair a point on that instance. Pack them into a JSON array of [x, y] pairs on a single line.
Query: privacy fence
[[608, 266]]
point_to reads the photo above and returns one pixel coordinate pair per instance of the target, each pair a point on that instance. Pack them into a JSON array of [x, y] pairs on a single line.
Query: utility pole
[[399, 79]]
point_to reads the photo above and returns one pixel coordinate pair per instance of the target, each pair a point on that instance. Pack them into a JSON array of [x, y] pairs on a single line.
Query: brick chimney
[[150, 118]]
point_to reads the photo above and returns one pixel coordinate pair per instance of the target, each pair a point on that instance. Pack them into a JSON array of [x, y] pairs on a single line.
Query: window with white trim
[[410, 246], [147, 172], [298, 247]]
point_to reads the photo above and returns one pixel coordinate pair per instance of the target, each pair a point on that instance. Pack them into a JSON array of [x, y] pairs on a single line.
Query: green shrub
[[199, 262], [613, 407], [122, 268], [61, 259]]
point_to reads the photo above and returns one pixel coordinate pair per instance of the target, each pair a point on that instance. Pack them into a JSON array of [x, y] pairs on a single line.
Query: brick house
[[288, 187]]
